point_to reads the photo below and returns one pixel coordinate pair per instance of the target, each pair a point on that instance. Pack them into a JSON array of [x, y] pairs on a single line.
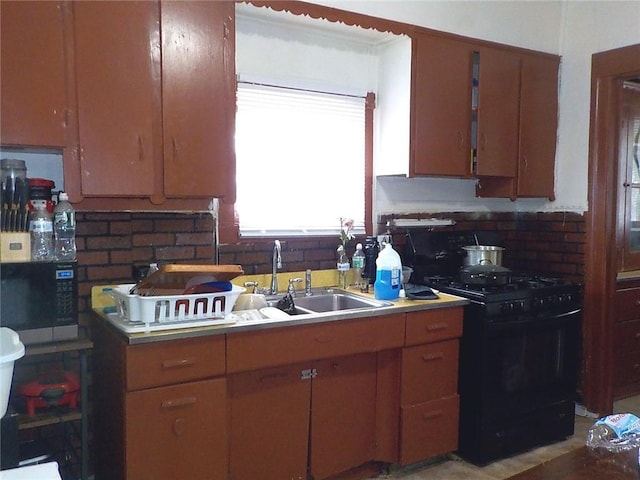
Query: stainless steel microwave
[[39, 300]]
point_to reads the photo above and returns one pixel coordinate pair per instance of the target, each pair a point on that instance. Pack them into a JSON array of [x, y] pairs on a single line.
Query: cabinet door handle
[[638, 303], [437, 326], [272, 377], [433, 356], [323, 339], [431, 415], [174, 142], [178, 402], [483, 142], [637, 335], [181, 362], [460, 140], [140, 148]]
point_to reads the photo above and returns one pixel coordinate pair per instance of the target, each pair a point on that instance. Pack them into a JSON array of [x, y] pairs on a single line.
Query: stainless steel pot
[[483, 255]]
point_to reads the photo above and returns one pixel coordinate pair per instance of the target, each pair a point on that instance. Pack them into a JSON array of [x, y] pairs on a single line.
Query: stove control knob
[[538, 303], [506, 307]]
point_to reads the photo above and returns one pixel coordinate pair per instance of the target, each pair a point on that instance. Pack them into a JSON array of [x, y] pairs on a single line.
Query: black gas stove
[[519, 349], [522, 294]]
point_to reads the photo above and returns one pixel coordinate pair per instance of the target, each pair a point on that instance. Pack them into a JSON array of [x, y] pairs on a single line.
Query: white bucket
[[11, 349]]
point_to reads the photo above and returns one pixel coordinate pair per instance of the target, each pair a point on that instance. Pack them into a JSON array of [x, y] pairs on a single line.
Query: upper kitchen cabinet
[[440, 134], [494, 122], [155, 90], [33, 89], [484, 110], [538, 123], [464, 111], [198, 99]]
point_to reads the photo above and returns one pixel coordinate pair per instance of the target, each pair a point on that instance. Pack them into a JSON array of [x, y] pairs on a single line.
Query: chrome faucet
[[275, 264], [307, 282]]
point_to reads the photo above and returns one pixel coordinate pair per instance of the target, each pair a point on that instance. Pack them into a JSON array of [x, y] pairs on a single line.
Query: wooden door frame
[[607, 70]]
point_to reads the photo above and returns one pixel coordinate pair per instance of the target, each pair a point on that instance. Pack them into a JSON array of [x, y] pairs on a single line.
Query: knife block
[[15, 247]]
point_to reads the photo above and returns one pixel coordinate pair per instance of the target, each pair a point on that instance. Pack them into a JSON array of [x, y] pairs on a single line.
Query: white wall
[[573, 29]]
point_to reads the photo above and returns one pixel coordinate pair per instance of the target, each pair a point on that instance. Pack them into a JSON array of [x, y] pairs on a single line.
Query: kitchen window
[[302, 160]]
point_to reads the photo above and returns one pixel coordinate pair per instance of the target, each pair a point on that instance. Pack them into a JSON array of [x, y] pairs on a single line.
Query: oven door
[[532, 360], [517, 382]]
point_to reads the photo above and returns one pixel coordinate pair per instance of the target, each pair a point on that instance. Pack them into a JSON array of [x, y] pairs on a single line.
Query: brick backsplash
[[110, 243]]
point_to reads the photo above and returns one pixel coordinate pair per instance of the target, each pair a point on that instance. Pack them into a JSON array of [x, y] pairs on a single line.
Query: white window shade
[[300, 161]]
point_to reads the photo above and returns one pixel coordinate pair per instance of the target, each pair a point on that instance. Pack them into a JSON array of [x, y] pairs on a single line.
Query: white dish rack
[[138, 313]]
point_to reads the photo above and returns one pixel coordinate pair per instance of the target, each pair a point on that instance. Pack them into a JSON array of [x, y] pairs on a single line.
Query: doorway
[[609, 70]]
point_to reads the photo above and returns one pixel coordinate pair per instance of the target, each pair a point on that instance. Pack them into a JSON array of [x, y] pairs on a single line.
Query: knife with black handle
[[23, 201], [6, 204]]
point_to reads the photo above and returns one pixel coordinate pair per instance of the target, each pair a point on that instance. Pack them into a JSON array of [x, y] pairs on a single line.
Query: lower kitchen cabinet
[[319, 400], [626, 331], [317, 416], [160, 408], [269, 424], [429, 401], [179, 431]]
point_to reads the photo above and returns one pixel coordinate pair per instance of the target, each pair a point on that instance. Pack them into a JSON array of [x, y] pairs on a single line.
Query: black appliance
[[519, 350], [39, 300]]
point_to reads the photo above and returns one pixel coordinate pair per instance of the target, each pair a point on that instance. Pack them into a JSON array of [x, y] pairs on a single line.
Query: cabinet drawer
[[627, 304], [429, 372], [429, 429], [627, 336], [165, 363], [433, 325], [177, 429], [626, 369], [293, 344]]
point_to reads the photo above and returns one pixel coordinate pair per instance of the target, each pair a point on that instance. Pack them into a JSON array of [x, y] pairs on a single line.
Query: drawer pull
[[637, 335], [638, 302], [437, 326], [182, 362], [431, 415], [433, 356], [178, 402], [322, 339], [272, 377]]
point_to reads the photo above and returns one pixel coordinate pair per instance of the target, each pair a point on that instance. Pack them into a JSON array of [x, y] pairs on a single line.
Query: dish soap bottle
[[388, 270], [343, 268]]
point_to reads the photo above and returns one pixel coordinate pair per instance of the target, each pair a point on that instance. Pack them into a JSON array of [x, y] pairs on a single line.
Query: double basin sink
[[331, 301]]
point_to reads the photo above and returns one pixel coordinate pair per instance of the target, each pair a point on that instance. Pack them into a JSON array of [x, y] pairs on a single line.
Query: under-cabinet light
[[420, 222]]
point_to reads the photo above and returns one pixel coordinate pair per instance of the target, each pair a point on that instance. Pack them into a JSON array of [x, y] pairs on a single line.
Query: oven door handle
[[567, 314]]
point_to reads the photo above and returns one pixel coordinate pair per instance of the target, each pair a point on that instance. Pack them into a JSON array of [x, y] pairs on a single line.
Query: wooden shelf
[[59, 347]]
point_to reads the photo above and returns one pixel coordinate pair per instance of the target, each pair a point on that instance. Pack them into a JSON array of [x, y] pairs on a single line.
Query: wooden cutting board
[[180, 276]]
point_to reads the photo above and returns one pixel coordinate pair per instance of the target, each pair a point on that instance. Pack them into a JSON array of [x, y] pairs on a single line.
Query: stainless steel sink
[[332, 302]]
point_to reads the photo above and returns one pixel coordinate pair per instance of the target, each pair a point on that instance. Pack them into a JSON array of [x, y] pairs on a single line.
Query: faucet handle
[[252, 284], [291, 289]]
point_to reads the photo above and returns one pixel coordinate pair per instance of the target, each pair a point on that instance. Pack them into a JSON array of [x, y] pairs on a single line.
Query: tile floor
[[454, 468]]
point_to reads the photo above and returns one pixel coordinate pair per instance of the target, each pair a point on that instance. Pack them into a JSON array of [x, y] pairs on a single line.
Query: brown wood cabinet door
[[33, 88], [498, 112], [198, 98], [269, 426], [538, 126], [343, 414], [440, 106], [117, 55], [178, 431]]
